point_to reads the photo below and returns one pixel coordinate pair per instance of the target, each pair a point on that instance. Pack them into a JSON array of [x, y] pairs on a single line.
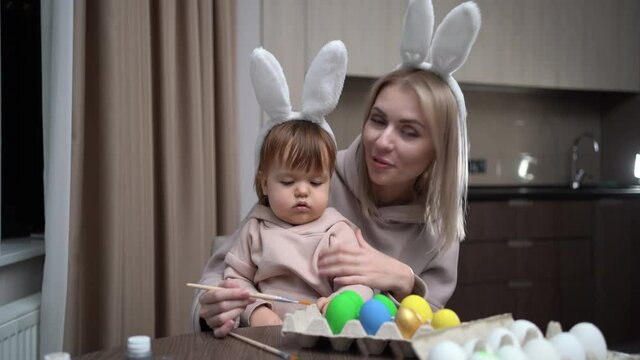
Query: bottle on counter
[[139, 347], [57, 356]]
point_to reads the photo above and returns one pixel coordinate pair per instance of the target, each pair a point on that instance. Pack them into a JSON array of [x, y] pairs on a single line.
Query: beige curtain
[[153, 176]]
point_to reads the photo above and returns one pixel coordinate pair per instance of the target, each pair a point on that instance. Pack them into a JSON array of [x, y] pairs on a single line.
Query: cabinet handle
[[519, 284], [519, 243], [519, 203]]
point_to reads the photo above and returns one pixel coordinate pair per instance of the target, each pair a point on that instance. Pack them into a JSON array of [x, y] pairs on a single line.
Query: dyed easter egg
[[419, 305], [445, 318], [340, 310], [388, 303], [408, 322], [353, 296], [372, 315]]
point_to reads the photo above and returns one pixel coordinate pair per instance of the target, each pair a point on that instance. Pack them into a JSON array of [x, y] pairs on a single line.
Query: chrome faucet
[[578, 174]]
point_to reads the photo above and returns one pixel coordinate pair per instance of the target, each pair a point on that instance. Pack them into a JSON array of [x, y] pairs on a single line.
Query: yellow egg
[[419, 305], [408, 322], [445, 318]]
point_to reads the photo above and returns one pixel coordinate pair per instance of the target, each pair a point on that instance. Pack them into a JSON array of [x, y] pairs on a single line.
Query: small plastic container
[[139, 347], [58, 356]]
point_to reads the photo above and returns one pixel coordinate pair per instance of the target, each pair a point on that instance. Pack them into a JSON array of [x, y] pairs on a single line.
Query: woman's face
[[397, 141]]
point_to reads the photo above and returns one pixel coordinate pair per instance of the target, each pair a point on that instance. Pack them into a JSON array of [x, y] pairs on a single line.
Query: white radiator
[[19, 328]]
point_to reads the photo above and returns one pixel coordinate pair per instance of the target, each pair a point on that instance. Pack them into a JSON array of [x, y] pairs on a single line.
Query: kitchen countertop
[[480, 193]]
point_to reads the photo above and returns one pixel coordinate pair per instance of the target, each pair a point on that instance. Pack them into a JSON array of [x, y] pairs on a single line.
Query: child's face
[[295, 196]]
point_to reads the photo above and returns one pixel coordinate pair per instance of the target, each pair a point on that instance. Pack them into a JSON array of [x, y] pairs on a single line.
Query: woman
[[403, 181]]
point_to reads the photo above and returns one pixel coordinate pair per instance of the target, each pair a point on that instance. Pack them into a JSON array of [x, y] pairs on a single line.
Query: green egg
[[388, 303], [340, 310], [353, 296]]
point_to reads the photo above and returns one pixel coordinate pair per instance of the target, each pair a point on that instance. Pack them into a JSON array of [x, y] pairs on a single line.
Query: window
[[21, 155]]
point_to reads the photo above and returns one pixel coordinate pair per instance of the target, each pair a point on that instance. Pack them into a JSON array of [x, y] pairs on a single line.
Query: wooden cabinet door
[[615, 266], [569, 44], [530, 258], [490, 220], [370, 29], [283, 34], [505, 261], [534, 301]]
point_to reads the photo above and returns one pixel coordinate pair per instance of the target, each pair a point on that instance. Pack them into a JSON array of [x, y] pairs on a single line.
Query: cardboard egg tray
[[308, 326]]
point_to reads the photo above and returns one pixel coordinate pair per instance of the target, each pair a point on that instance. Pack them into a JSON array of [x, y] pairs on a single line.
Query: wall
[[20, 279], [504, 125]]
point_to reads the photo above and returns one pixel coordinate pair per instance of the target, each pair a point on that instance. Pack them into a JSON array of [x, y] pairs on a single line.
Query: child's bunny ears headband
[[450, 45], [320, 94]]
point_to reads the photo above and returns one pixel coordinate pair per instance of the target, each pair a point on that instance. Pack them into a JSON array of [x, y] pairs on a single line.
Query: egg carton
[[309, 326], [614, 355]]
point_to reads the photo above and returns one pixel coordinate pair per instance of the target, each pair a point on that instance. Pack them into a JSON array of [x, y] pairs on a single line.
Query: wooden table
[[206, 346]]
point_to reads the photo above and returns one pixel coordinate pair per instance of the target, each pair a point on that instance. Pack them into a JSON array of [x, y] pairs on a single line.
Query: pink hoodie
[[277, 258]]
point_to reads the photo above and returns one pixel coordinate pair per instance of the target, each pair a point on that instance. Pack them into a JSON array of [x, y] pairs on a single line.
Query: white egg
[[568, 346], [511, 352], [520, 327], [447, 350], [592, 340], [501, 336], [540, 349]]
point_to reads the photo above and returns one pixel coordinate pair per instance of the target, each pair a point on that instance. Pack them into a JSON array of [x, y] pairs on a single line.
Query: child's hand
[[263, 316], [322, 303]]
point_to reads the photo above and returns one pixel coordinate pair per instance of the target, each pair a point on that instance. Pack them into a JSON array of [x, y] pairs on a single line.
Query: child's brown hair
[[297, 145]]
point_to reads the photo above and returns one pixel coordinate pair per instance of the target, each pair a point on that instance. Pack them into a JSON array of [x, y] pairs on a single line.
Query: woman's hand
[[352, 265], [263, 316], [220, 308]]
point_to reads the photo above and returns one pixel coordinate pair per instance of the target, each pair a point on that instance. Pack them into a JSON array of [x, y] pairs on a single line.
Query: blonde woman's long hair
[[443, 185]]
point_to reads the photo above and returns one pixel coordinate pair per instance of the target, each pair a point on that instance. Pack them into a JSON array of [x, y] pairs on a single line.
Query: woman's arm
[[212, 275], [362, 264], [219, 309], [441, 276]]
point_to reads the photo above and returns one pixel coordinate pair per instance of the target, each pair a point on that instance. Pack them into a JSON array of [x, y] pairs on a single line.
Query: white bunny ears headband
[[450, 46], [320, 94]]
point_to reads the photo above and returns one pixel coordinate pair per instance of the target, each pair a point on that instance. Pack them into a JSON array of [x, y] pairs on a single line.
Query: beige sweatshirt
[[397, 232], [277, 258]]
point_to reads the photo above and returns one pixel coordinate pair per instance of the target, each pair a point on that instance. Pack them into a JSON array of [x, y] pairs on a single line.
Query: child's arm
[[264, 316]]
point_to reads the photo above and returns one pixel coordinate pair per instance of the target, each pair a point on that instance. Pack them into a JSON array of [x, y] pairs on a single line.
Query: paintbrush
[[265, 347], [256, 295]]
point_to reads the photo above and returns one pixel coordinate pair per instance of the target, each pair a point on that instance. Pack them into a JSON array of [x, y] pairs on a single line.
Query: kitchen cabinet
[[371, 31], [530, 258], [569, 44], [283, 29], [617, 269], [563, 260]]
